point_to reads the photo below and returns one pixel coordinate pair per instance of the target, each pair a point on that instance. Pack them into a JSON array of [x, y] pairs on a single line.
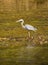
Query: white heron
[[27, 26]]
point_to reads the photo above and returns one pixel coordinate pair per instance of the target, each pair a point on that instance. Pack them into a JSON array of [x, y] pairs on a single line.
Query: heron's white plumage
[[27, 26]]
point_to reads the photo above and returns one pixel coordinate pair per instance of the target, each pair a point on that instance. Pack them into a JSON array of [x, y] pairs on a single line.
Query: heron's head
[[20, 20]]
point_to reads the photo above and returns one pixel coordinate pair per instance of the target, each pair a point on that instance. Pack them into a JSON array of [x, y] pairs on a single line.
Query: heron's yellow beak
[[17, 21]]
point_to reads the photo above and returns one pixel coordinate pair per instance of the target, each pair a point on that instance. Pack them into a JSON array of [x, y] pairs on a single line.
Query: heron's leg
[[29, 34]]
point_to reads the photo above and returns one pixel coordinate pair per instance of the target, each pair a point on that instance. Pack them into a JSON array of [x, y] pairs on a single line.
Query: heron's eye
[[20, 21]]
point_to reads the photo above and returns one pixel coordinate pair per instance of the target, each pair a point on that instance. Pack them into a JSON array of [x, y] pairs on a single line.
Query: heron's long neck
[[22, 24]]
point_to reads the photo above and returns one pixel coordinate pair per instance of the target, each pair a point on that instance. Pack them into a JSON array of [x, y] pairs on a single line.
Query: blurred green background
[[15, 47]]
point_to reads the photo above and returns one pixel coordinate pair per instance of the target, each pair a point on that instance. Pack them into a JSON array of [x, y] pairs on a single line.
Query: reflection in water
[[29, 46]]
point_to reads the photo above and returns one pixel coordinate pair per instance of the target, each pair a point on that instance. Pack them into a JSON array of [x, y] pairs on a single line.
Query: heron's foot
[[29, 38]]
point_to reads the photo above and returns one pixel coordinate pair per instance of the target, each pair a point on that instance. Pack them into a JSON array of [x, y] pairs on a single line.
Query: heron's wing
[[29, 27]]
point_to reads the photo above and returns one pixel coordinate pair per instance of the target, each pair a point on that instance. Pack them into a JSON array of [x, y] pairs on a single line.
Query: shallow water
[[22, 51], [24, 56]]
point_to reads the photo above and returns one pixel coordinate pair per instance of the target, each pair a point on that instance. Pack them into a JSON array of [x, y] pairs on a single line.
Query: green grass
[[24, 56], [14, 52]]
